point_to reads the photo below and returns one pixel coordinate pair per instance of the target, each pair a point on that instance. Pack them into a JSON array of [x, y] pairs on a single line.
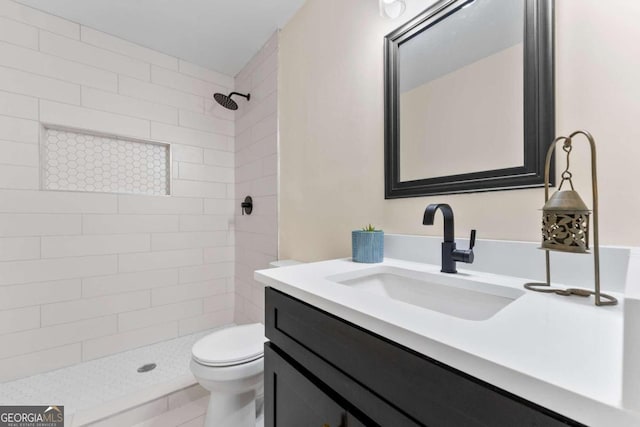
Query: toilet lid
[[231, 346]]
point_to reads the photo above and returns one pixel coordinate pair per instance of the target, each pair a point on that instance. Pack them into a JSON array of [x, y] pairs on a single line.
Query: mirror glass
[[461, 94]]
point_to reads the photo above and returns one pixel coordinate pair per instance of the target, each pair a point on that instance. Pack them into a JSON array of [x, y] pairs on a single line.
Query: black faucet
[[450, 255]]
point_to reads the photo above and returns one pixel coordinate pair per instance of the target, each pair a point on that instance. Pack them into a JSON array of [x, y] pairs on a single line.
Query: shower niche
[[79, 160]]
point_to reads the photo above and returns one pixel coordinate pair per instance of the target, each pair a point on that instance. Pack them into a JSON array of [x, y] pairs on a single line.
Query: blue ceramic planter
[[367, 246]]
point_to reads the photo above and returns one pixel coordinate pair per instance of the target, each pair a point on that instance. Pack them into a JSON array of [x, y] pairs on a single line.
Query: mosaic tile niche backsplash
[[79, 161]]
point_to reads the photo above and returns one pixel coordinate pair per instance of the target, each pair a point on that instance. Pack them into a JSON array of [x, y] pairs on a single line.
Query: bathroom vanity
[[321, 369], [402, 344]]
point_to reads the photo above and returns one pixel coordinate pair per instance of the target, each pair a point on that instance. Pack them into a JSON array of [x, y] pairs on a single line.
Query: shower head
[[227, 102]]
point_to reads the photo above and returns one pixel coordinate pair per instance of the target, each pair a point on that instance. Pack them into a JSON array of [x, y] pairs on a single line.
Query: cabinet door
[[292, 400]]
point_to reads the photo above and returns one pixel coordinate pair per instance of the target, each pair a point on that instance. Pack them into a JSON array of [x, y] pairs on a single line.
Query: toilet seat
[[236, 345], [213, 364]]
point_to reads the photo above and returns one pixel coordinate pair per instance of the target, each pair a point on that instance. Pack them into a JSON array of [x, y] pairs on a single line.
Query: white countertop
[[562, 353]]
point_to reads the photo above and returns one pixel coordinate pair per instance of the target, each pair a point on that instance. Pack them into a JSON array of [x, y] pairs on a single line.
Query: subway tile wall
[[256, 164], [84, 275]]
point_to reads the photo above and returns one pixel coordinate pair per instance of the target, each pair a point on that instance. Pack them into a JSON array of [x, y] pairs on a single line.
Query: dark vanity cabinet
[[295, 399], [323, 371]]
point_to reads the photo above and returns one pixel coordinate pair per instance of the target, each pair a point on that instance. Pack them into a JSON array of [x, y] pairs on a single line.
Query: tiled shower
[[133, 235]]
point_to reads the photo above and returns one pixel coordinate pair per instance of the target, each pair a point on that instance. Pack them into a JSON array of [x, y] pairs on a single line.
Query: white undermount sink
[[455, 295]]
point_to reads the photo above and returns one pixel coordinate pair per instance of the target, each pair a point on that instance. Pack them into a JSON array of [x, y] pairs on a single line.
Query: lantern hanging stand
[[565, 222]]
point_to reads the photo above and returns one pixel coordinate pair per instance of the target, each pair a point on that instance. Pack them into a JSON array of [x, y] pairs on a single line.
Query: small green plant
[[369, 228]]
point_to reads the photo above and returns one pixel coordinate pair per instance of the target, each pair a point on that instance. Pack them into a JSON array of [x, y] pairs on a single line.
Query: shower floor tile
[[89, 385]]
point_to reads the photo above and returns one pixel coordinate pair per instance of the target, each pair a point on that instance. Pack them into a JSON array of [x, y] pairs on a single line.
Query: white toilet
[[229, 363]]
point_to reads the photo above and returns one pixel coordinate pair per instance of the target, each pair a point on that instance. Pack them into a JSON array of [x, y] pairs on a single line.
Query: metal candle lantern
[[565, 217], [565, 222]]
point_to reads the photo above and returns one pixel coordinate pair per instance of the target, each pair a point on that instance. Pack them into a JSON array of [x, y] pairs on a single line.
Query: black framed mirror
[[469, 98]]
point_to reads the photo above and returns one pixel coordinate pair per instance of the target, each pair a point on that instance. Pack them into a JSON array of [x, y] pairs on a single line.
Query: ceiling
[[221, 35]]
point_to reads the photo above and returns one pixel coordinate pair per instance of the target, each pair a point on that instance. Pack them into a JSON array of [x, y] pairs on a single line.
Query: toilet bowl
[[229, 364]]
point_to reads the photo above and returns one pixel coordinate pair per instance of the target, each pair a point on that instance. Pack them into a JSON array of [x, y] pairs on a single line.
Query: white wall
[[256, 176], [85, 275], [332, 129]]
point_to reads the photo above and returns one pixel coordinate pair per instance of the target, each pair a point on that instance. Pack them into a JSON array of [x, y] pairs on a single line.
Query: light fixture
[[391, 9], [565, 222]]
